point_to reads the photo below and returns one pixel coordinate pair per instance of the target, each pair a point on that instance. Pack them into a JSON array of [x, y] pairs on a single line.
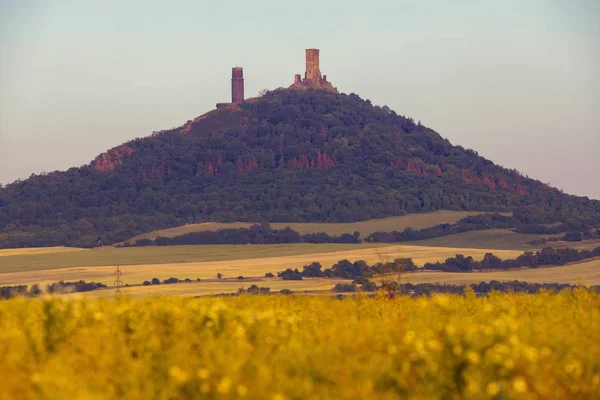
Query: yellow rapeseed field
[[504, 346]]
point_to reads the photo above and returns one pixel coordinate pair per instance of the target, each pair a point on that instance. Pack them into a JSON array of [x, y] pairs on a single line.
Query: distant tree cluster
[[348, 270], [426, 289], [156, 281], [254, 289], [7, 292], [546, 256]]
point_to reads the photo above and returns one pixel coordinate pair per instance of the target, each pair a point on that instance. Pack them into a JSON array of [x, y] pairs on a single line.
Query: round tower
[[237, 84]]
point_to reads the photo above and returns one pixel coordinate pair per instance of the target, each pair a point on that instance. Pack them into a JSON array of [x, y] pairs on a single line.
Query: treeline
[[348, 270], [426, 289], [361, 270], [255, 234], [529, 259], [572, 226], [7, 292]]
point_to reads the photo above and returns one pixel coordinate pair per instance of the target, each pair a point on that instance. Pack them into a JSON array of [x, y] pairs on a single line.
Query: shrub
[[290, 275], [155, 281], [573, 237], [344, 288]]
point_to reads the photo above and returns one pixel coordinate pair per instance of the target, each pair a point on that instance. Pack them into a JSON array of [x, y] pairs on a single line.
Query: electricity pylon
[[118, 282]]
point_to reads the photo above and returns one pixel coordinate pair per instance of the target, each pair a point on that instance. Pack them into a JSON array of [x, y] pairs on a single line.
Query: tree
[[155, 281], [219, 275], [312, 270], [573, 237]]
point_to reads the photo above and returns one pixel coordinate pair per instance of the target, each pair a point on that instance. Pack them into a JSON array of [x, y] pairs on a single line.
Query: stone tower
[[237, 84], [312, 65], [312, 76]]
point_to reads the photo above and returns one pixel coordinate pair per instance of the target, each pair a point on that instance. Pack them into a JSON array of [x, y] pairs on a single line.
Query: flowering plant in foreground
[[295, 347]]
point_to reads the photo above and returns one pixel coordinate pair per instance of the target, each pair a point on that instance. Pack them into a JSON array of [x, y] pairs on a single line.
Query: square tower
[[312, 64]]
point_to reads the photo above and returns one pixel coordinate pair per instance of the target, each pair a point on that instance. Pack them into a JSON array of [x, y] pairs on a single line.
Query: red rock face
[[112, 158]]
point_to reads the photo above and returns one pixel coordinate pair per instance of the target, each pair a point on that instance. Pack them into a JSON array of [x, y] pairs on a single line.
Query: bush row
[[348, 270], [7, 292], [530, 259]]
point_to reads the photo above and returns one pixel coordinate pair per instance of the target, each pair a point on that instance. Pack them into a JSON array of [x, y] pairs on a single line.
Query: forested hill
[[287, 156]]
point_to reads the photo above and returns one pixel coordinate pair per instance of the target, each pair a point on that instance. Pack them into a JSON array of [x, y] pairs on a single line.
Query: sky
[[517, 81]]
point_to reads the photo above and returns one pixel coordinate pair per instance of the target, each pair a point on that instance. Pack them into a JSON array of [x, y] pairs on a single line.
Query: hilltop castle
[[312, 75], [312, 79]]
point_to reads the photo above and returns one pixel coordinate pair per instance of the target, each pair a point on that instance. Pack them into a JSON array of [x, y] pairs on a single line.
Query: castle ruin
[[312, 76], [312, 79]]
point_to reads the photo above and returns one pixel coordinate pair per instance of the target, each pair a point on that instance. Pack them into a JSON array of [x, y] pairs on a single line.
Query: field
[[303, 347], [37, 251], [498, 239], [164, 255], [585, 273], [415, 221], [491, 239], [231, 260]]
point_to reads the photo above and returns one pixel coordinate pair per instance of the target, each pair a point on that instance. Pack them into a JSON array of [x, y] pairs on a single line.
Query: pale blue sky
[[518, 81]]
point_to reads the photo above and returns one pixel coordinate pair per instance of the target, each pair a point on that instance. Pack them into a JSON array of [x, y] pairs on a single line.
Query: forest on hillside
[[289, 156]]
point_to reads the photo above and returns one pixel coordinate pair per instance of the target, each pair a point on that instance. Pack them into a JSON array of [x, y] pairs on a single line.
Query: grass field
[[165, 255], [232, 261], [37, 251], [415, 221], [503, 346], [486, 239], [585, 273], [494, 239]]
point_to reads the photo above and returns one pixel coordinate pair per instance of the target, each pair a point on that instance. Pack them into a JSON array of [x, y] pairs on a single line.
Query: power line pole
[[118, 282]]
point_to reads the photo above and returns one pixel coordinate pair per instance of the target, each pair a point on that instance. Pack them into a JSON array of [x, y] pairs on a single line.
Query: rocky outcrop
[[112, 158]]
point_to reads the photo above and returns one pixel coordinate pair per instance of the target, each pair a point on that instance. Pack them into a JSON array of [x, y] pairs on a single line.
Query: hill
[[289, 156]]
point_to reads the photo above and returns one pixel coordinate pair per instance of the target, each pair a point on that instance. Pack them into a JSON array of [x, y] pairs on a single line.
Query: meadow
[[491, 239], [503, 346], [585, 273], [110, 256], [500, 239], [399, 223]]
